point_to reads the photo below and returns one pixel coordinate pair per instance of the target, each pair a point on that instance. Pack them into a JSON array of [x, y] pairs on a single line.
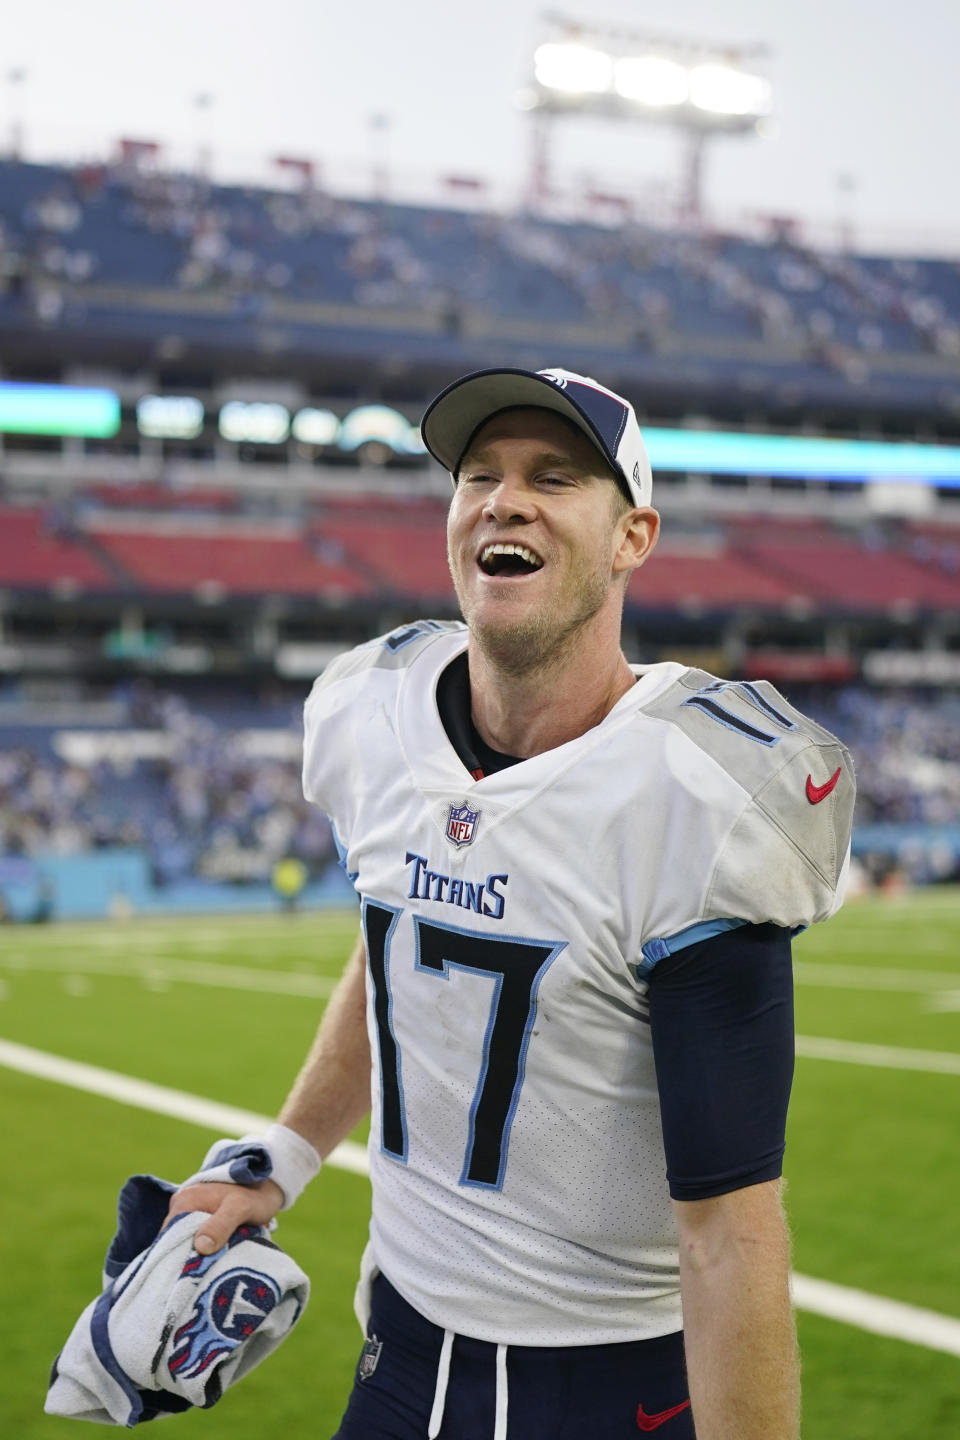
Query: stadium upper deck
[[98, 260], [220, 554]]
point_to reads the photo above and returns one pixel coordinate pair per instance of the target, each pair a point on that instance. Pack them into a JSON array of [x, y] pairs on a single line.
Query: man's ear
[[640, 529]]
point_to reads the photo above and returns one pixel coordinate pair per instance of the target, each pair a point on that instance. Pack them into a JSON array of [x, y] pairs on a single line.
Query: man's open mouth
[[508, 559]]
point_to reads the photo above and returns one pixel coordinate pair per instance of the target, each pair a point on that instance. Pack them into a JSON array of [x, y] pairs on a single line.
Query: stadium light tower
[[698, 89]]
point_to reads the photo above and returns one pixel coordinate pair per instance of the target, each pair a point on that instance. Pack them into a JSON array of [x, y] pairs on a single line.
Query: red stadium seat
[[247, 563], [34, 555]]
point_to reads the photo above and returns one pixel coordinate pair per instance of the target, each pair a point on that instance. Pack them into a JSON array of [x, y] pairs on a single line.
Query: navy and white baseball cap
[[608, 421]]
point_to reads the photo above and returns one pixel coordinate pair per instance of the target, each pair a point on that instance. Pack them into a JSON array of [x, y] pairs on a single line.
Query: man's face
[[536, 537]]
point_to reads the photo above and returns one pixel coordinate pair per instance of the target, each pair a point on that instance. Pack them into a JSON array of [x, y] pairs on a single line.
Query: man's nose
[[510, 500]]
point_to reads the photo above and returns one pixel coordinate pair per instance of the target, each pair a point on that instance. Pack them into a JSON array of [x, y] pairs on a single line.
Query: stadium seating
[[872, 573], [239, 564], [126, 252], [698, 577], [35, 553], [354, 550], [855, 578], [402, 548], [152, 496]]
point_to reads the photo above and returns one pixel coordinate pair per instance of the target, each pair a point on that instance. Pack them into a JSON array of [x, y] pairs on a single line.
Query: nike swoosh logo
[[816, 793], [653, 1422]]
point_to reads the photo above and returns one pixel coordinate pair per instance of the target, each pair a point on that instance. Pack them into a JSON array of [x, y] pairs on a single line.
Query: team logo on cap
[[461, 824], [224, 1315], [559, 380]]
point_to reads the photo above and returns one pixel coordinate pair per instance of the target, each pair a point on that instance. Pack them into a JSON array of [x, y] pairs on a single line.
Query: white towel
[[172, 1328]]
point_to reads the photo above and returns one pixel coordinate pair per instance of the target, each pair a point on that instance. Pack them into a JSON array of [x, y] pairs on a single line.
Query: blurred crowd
[[838, 309], [226, 803], [906, 749], [209, 807]]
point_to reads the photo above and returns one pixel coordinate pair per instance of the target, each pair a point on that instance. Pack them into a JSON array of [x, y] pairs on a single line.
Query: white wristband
[[295, 1162]]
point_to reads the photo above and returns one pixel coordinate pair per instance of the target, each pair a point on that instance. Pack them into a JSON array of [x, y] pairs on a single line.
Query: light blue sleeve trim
[[342, 856], [656, 950]]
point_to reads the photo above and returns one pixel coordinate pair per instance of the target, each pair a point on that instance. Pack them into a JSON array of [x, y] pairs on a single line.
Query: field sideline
[[224, 1010]]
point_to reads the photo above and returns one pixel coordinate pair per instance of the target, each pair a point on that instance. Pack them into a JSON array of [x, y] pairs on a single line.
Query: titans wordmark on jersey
[[519, 1192]]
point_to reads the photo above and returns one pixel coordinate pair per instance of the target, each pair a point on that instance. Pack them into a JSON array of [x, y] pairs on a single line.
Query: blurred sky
[[865, 89]]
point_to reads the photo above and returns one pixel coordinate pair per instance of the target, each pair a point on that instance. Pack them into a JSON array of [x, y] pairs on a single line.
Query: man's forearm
[[738, 1324], [332, 1092]]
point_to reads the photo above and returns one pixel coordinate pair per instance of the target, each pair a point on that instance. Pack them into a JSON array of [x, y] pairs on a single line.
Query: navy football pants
[[589, 1392]]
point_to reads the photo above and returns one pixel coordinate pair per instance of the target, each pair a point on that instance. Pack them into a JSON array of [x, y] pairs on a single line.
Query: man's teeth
[[520, 550]]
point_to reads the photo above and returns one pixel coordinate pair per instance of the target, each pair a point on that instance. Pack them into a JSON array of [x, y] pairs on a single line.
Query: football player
[[571, 1005]]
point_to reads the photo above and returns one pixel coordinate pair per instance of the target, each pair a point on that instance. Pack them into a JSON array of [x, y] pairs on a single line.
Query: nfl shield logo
[[369, 1358], [461, 824]]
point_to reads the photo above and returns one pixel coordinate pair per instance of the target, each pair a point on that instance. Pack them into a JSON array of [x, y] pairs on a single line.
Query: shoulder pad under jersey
[[392, 651], [796, 774]]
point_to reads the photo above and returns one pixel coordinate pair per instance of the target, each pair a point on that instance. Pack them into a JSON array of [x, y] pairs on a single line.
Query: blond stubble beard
[[539, 641]]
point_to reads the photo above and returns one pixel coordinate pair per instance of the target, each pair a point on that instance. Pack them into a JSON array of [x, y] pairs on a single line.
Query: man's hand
[[229, 1206]]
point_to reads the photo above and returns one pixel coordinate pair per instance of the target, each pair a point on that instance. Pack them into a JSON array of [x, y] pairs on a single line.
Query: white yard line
[[210, 1114], [877, 1314], [883, 1057], [942, 987], [945, 1002], [319, 987], [190, 972], [874, 977], [134, 935], [874, 1313]]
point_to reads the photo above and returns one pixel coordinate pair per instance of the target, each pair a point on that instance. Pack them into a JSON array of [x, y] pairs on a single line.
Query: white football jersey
[[519, 1188]]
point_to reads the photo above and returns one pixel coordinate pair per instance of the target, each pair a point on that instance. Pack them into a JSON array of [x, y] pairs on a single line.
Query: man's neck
[[525, 715]]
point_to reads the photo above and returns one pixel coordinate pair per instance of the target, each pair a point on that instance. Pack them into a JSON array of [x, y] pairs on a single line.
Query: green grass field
[[872, 1151]]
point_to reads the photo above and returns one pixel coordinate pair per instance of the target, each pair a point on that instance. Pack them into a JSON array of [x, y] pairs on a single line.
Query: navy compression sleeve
[[721, 1016]]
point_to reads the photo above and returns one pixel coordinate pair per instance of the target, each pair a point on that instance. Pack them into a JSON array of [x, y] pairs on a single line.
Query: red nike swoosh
[[816, 793], [653, 1422]]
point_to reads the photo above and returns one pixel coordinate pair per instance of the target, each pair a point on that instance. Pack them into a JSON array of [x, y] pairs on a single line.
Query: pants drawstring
[[440, 1394], [443, 1379], [500, 1427]]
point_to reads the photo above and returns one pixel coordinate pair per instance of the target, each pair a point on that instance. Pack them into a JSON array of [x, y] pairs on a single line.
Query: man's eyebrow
[[545, 457]]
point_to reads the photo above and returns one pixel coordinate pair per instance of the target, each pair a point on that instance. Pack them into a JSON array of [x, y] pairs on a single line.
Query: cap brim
[[455, 416]]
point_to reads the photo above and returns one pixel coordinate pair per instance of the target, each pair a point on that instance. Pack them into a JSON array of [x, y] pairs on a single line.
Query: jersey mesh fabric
[[505, 922]]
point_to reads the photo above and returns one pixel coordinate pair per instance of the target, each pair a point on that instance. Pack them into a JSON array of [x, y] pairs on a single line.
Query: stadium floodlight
[[700, 89], [170, 417], [723, 90], [573, 69], [652, 80], [254, 422], [315, 427], [380, 425]]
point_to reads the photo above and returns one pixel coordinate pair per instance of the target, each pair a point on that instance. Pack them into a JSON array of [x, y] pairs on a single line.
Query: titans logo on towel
[[197, 1264], [223, 1315]]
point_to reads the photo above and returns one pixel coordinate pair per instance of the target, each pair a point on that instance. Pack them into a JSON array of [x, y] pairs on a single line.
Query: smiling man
[[538, 518], [571, 1005], [542, 541]]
